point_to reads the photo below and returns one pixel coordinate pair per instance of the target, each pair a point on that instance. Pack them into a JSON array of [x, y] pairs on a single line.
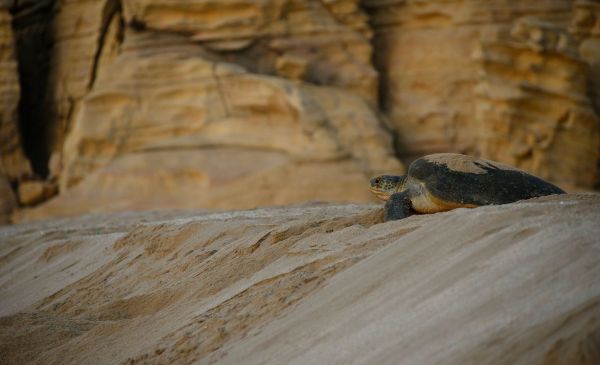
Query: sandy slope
[[514, 284]]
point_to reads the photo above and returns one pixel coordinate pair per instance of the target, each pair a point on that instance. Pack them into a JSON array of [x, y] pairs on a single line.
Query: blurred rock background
[[112, 105]]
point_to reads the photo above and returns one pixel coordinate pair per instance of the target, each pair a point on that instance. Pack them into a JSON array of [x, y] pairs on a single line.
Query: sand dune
[[317, 284]]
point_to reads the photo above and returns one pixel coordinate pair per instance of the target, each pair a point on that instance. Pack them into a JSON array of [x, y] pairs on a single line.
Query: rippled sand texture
[[310, 284]]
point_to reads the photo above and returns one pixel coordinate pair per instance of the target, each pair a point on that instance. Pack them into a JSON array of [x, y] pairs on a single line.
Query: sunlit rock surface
[[317, 89], [508, 81]]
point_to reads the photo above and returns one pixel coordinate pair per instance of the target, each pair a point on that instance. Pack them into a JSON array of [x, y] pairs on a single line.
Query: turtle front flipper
[[397, 207]]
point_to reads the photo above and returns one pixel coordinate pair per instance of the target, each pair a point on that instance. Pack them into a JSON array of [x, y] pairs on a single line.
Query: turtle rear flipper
[[398, 206]]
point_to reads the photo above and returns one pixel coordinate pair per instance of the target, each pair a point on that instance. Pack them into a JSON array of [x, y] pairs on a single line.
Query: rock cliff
[[319, 284], [504, 80], [225, 98], [122, 103], [534, 109]]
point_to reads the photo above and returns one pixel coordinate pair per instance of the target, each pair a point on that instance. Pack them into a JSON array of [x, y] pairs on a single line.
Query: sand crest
[[319, 284]]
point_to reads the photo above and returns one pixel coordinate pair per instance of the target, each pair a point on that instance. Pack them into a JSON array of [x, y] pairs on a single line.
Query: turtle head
[[385, 185]]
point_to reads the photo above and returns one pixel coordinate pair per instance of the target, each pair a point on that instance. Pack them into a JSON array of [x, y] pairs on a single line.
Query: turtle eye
[[378, 180]]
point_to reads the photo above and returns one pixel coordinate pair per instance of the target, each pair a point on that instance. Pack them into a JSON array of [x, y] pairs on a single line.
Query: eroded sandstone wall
[[429, 72], [585, 27], [505, 80], [534, 108], [145, 101], [329, 41], [200, 86], [163, 93]]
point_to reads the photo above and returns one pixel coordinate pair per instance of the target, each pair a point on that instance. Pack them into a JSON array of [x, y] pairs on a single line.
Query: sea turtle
[[444, 181]]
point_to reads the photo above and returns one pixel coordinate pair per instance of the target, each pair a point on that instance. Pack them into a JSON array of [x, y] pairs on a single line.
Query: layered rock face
[[230, 100], [500, 79], [585, 26], [143, 102], [162, 93], [323, 284], [328, 39], [534, 109]]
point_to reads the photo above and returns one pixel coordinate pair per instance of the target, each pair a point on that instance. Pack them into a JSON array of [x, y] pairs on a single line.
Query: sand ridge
[[307, 284]]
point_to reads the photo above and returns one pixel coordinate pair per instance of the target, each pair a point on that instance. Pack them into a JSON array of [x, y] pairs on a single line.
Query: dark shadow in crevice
[[378, 61], [32, 27], [111, 9]]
